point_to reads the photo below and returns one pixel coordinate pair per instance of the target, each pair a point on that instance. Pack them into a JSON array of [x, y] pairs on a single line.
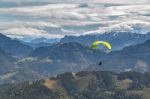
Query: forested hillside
[[83, 85]]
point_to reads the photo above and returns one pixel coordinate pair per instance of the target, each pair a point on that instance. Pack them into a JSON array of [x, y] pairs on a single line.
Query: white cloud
[[64, 11], [82, 1], [135, 26], [17, 24], [74, 12], [51, 20], [122, 1], [29, 33]]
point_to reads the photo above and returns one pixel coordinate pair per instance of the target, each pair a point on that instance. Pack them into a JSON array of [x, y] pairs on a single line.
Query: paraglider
[[100, 63], [98, 42]]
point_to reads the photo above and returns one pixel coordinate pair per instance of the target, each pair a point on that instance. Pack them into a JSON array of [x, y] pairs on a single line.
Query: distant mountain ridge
[[72, 57], [44, 40], [118, 40], [14, 47], [40, 42]]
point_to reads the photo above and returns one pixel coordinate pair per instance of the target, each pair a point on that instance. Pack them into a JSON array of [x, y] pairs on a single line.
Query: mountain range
[[118, 40], [64, 57], [61, 57], [14, 47], [40, 42], [44, 40]]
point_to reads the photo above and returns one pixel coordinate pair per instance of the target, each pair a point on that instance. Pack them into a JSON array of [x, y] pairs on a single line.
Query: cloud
[[82, 1], [29, 33], [63, 11], [74, 12], [60, 19], [23, 30], [38, 24], [135, 26], [122, 1]]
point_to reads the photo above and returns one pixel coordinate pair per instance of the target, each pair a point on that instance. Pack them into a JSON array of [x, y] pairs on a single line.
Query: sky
[[29, 19], [80, 1]]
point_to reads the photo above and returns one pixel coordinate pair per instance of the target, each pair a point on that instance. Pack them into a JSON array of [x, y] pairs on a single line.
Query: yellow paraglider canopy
[[96, 43]]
